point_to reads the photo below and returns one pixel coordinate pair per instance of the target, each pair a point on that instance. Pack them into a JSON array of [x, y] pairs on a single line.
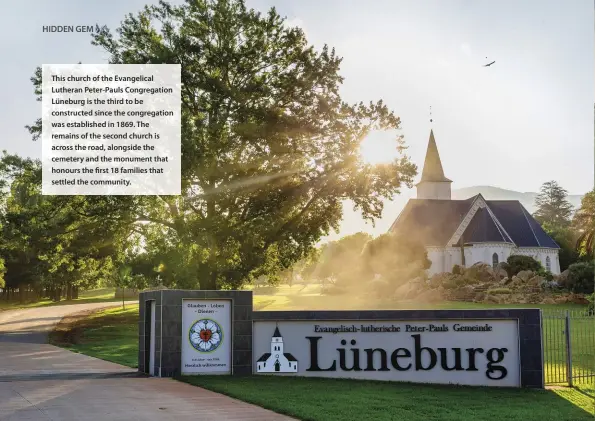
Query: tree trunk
[[75, 292], [68, 292], [209, 282]]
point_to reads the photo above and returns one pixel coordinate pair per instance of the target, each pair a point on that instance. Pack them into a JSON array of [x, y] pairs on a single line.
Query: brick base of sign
[[168, 329], [529, 324]]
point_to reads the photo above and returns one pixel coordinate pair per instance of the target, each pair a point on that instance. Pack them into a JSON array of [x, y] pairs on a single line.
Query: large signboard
[[465, 352], [206, 337]]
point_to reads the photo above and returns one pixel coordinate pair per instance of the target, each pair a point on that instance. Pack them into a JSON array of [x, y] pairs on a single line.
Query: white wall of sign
[[465, 352], [206, 337]]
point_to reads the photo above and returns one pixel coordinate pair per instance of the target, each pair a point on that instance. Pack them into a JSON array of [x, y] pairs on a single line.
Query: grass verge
[[101, 295], [112, 335], [310, 399]]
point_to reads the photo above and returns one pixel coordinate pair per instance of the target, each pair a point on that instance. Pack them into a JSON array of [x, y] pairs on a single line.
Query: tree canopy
[[270, 152], [553, 211], [584, 223]]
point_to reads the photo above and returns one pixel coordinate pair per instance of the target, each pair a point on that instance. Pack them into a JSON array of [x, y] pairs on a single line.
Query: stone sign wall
[[217, 332], [471, 347]]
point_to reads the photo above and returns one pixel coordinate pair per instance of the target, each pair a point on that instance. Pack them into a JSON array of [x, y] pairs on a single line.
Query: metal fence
[[569, 347]]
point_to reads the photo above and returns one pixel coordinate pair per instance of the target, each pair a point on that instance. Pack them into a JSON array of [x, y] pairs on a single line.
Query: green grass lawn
[[91, 296], [346, 400], [112, 335]]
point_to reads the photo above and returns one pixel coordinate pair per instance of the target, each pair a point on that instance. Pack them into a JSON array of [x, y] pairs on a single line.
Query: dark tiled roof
[[264, 357], [520, 225], [289, 356], [433, 222], [484, 229]]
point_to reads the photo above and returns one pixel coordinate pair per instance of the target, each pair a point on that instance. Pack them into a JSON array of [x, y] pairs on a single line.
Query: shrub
[[580, 278], [457, 270], [591, 308], [517, 263], [496, 291]]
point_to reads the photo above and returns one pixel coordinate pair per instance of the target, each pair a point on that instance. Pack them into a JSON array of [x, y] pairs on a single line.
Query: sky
[[525, 120]]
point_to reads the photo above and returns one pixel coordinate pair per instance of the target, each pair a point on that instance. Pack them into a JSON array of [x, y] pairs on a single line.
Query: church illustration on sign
[[277, 361], [475, 230]]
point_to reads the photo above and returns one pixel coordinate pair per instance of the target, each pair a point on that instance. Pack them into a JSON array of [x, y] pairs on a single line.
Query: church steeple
[[432, 170], [433, 183]]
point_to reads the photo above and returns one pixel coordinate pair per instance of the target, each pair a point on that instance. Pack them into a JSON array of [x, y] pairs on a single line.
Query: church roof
[[483, 228], [518, 222], [277, 334], [434, 222], [432, 170], [264, 357], [289, 357]]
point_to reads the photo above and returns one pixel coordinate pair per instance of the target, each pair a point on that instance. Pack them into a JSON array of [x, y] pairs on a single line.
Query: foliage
[[581, 277], [565, 237], [591, 307], [584, 224], [553, 207], [457, 270], [341, 256], [54, 243], [498, 291], [270, 150], [395, 258], [517, 263]]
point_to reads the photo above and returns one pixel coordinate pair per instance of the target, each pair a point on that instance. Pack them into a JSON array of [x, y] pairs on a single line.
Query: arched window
[[494, 260], [548, 264]]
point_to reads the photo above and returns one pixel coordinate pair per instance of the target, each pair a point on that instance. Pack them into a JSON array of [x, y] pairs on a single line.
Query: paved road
[[32, 325], [42, 382]]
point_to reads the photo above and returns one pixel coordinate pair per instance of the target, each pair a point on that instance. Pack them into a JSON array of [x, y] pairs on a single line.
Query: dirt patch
[[70, 329]]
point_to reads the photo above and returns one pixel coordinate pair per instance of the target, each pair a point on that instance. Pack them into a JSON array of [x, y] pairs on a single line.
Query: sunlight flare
[[379, 147]]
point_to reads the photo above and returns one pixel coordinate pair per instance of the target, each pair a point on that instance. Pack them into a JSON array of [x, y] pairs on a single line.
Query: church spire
[[433, 184], [432, 170]]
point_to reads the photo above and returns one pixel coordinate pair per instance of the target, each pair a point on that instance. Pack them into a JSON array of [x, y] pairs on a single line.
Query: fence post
[[568, 349]]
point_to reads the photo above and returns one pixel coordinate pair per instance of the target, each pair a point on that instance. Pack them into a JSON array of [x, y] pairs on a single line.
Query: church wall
[[541, 255], [483, 253], [436, 256], [444, 258], [434, 190]]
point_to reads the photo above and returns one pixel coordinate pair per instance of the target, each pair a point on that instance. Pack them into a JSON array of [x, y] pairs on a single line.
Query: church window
[[495, 260], [548, 264]]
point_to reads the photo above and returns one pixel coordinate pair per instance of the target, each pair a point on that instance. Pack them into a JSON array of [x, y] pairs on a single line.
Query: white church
[[277, 361], [465, 232]]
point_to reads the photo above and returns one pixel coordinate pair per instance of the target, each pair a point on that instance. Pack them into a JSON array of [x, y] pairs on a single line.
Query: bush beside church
[[520, 280]]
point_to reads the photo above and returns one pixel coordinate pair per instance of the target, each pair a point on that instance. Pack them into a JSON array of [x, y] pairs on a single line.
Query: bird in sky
[[489, 64]]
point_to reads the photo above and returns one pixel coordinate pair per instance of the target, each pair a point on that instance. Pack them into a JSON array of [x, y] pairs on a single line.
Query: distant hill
[[494, 193], [352, 221]]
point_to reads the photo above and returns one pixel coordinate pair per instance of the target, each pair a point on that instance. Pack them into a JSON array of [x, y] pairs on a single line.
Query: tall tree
[[341, 255], [584, 224], [553, 208], [270, 150], [55, 242]]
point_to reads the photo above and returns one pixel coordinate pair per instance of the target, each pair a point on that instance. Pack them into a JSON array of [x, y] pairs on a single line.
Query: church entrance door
[[277, 366]]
